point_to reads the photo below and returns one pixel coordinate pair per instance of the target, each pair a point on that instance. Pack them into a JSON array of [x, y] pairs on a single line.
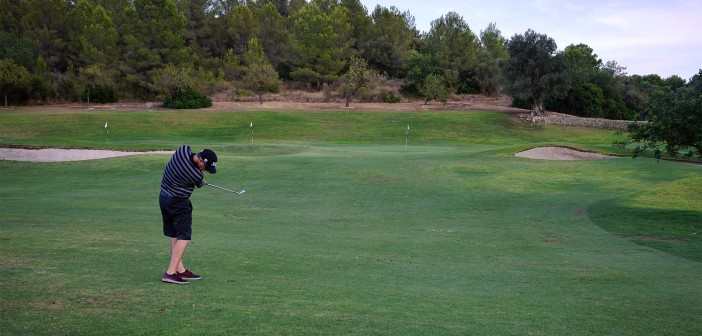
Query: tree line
[[104, 50]]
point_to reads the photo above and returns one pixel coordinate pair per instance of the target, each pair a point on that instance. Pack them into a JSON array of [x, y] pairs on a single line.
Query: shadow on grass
[[678, 232]]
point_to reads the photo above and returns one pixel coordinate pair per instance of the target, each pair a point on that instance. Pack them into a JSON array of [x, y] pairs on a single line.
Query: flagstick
[[251, 127], [406, 135], [107, 131]]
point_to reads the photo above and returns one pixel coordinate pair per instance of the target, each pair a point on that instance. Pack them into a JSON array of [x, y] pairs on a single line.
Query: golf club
[[225, 189]]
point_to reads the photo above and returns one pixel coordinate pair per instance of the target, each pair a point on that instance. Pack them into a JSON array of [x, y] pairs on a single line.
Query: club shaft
[[218, 187]]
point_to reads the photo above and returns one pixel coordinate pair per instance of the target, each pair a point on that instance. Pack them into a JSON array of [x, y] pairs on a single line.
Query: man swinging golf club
[[183, 173]]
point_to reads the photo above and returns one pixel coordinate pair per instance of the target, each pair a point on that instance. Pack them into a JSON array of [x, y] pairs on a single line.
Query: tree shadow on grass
[[678, 232]]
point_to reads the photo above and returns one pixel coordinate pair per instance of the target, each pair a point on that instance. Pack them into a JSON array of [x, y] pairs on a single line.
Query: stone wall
[[564, 119]]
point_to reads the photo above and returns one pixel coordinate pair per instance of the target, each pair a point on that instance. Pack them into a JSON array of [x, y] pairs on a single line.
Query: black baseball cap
[[210, 159]]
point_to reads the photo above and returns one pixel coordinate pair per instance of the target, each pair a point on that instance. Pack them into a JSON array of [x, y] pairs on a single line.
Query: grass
[[666, 218], [344, 230], [155, 130]]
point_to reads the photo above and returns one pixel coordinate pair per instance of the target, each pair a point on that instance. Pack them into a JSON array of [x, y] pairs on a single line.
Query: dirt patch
[[561, 153], [62, 155], [298, 100]]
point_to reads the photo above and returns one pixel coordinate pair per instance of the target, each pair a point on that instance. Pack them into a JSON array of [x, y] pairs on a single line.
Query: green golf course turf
[[344, 230]]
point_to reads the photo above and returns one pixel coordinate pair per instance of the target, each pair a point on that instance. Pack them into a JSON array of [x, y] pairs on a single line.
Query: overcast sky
[[646, 36]]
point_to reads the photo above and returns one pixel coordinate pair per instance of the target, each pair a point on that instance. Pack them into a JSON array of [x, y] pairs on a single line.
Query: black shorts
[[177, 216]]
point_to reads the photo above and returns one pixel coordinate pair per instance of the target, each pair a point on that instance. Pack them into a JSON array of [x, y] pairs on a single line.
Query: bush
[[388, 96], [467, 83], [327, 92], [100, 94], [41, 89], [283, 71], [238, 94], [616, 109], [67, 88], [583, 100], [187, 99]]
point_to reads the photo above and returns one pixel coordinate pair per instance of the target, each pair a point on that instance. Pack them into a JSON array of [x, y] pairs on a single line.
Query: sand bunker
[[60, 155], [560, 153]]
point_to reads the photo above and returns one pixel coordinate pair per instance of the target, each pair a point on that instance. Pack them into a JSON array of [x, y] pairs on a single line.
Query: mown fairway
[[344, 230]]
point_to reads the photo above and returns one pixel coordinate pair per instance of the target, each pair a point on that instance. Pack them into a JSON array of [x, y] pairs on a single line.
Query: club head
[[240, 192]]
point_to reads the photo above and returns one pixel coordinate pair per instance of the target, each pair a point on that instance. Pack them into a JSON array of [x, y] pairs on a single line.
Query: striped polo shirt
[[181, 175]]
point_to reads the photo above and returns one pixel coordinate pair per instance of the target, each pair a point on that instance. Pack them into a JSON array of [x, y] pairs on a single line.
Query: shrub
[[100, 93], [583, 100], [467, 83], [238, 94], [67, 89], [617, 110], [388, 96], [434, 88], [187, 99], [327, 91]]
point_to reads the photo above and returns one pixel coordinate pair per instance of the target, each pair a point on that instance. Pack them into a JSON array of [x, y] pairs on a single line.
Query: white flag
[[251, 125], [408, 127], [105, 124]]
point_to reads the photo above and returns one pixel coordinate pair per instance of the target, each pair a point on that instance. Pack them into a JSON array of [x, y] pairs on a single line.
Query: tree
[[675, 123], [273, 35], [594, 89], [44, 22], [284, 7], [41, 87], [391, 39], [171, 79], [259, 74], [155, 38], [361, 24], [261, 78], [582, 61], [21, 50], [674, 82], [583, 98], [417, 67], [198, 34], [434, 88], [11, 15], [534, 70], [68, 86], [97, 83], [234, 30], [175, 84], [97, 36], [231, 65], [320, 43], [13, 77], [455, 47], [161, 27], [254, 53], [609, 78], [359, 78], [493, 51]]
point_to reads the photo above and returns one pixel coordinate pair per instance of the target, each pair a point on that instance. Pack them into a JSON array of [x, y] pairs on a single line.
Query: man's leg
[[178, 247]]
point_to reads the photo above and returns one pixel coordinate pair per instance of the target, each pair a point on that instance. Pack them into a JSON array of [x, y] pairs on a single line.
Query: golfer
[[183, 173]]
